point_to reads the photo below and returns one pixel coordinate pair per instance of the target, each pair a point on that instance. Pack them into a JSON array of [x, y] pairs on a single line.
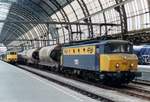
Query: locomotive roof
[[103, 43], [114, 41]]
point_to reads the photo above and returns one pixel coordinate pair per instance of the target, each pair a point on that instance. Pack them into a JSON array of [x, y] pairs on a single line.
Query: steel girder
[[123, 18]]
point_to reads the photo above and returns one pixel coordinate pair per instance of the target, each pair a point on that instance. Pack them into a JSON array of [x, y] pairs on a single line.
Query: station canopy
[[38, 22]]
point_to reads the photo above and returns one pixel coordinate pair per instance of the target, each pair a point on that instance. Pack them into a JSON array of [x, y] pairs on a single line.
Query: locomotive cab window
[[118, 48], [12, 53]]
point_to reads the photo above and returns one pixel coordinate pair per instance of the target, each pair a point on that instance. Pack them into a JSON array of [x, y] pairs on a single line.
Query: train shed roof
[[36, 23]]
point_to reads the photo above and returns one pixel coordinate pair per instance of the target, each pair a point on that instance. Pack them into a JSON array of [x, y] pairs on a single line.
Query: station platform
[[145, 69], [17, 85]]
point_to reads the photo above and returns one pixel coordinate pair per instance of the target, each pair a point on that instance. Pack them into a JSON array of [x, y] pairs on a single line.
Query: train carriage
[[50, 56], [32, 56], [143, 53]]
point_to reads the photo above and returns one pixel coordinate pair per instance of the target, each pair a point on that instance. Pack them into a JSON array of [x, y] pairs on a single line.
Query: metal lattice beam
[[53, 22]]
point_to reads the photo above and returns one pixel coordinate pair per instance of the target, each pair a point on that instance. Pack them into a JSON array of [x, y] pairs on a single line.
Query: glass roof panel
[[138, 15], [93, 6], [4, 10], [107, 3]]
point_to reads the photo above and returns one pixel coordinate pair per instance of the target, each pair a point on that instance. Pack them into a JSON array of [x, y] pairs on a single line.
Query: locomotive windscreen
[[118, 48]]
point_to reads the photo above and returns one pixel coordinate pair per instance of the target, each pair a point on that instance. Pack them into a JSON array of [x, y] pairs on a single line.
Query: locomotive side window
[[84, 49], [79, 50], [73, 50]]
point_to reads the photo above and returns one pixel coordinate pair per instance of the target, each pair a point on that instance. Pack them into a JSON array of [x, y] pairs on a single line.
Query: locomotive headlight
[[132, 69], [132, 65], [117, 65], [117, 68]]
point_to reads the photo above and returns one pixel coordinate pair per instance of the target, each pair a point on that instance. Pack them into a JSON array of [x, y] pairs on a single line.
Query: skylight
[[4, 10]]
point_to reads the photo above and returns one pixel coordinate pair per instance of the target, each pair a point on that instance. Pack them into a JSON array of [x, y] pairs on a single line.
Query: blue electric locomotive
[[111, 60]]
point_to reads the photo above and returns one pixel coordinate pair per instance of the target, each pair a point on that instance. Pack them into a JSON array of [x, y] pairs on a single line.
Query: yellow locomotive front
[[118, 61], [11, 57]]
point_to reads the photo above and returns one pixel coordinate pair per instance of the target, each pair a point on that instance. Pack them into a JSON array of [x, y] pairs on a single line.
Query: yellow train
[[10, 57]]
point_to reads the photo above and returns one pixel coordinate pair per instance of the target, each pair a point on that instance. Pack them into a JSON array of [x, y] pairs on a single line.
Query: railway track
[[141, 90], [135, 90], [142, 82], [127, 93]]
